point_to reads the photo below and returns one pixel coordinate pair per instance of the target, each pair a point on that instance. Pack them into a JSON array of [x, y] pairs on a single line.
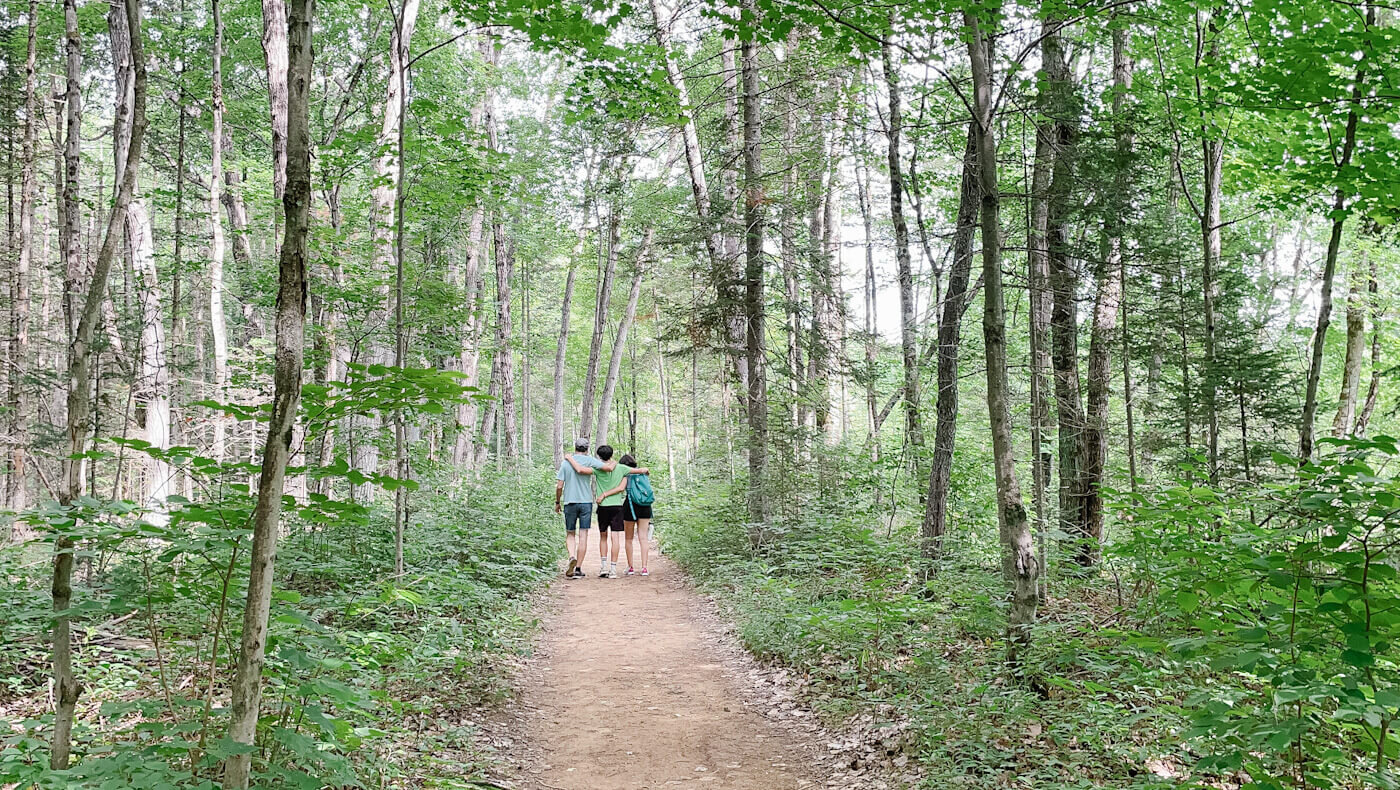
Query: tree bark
[[70, 225], [560, 353], [1011, 511], [1064, 285], [620, 341], [274, 44], [600, 321], [1329, 268], [1038, 277], [291, 319], [1213, 164], [908, 329], [1104, 333], [66, 686], [756, 404], [730, 275], [217, 326], [935, 524], [469, 353], [1355, 349], [503, 367], [15, 490], [1373, 390]]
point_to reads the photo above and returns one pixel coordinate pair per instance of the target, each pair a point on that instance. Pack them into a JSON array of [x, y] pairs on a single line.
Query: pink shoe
[[644, 572]]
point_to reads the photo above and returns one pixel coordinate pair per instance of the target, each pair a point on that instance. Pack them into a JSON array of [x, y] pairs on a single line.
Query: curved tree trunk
[[80, 354], [287, 370], [600, 436], [935, 524]]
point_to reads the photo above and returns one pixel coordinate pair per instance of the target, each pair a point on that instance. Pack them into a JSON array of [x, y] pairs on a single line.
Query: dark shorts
[[578, 515], [610, 518], [634, 512]]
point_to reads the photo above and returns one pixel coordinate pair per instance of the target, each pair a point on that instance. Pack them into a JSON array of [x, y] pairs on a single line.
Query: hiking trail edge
[[631, 689]]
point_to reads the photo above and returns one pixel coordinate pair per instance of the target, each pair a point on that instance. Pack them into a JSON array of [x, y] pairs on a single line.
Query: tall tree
[[756, 402], [908, 329], [935, 524], [217, 324], [629, 314], [131, 110], [1017, 547], [19, 283], [287, 370]]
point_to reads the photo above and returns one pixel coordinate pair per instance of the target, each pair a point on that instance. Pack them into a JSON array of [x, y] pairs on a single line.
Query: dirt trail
[[632, 689]]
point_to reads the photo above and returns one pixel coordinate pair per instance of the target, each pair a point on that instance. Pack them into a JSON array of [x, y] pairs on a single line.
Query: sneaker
[[631, 572], [644, 572], [603, 574], [578, 573], [573, 566]]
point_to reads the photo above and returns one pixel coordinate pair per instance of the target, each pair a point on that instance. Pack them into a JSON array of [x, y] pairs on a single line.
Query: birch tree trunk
[[386, 174], [152, 385], [935, 524], [217, 326], [274, 44], [1011, 511], [908, 329], [620, 341], [754, 299], [80, 354], [291, 319], [15, 491]]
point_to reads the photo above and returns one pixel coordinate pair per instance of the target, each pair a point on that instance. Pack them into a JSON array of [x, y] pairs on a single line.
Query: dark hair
[[605, 451], [627, 460], [580, 447]]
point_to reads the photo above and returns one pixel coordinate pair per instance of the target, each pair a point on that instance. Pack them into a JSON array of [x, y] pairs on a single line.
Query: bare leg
[[582, 545], [644, 539], [616, 546], [572, 540], [629, 528]]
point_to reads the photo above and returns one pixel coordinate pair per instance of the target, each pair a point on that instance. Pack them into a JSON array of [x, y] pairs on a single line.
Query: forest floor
[[637, 685]]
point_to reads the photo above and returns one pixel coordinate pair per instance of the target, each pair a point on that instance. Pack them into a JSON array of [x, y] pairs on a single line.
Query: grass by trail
[[371, 681], [834, 597]]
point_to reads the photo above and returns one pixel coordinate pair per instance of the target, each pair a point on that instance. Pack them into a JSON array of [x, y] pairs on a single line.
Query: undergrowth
[[369, 679]]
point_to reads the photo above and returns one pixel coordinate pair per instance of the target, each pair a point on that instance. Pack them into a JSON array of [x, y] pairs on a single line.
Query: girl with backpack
[[636, 512]]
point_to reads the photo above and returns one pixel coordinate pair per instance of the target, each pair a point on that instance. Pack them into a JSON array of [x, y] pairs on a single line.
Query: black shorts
[[634, 512], [610, 518]]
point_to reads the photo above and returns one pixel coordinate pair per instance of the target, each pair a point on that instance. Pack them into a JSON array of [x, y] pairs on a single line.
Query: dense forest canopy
[[1021, 362]]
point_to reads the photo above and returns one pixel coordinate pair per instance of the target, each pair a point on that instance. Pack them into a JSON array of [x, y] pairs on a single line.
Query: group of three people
[[624, 511]]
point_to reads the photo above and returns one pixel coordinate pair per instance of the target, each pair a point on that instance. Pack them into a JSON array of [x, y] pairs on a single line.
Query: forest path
[[632, 689]]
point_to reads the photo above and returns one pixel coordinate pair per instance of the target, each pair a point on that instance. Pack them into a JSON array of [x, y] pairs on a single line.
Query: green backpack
[[639, 491]]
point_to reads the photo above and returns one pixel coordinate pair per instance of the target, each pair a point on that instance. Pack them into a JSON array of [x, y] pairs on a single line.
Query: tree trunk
[[1213, 164], [871, 398], [1104, 333], [382, 200], [469, 353], [730, 275], [756, 404], [70, 224], [19, 284], [274, 44], [80, 354], [908, 329], [505, 267], [935, 524], [217, 325], [1329, 268], [1356, 349], [291, 318], [1373, 391], [620, 341], [556, 433], [600, 322], [1038, 277], [1011, 511], [1064, 286]]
